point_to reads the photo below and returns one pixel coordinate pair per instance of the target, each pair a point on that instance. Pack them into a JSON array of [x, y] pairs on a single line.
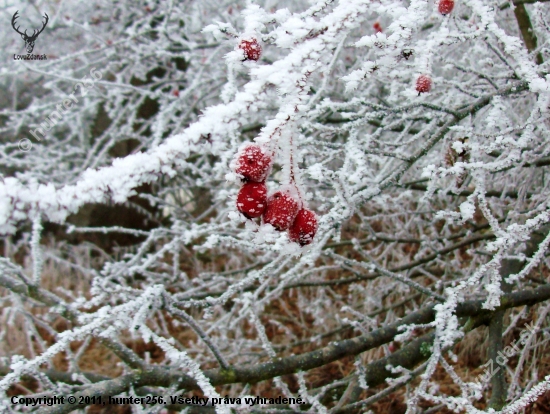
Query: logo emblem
[[29, 40]]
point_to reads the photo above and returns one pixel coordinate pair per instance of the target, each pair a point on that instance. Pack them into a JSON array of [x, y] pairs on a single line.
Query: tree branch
[[526, 29], [407, 357]]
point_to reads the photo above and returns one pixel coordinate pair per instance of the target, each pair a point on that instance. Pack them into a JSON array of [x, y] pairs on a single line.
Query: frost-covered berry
[[251, 49], [281, 210], [304, 227], [446, 6], [423, 84], [252, 199], [253, 163], [377, 27]]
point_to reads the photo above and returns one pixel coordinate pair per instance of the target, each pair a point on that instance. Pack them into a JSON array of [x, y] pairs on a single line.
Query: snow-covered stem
[[37, 258], [200, 332]]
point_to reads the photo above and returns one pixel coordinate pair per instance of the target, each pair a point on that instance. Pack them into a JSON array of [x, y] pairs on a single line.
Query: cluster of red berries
[[282, 209], [377, 27]]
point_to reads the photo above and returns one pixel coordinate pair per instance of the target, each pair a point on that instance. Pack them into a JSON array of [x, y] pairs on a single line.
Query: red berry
[[377, 27], [251, 48], [423, 84], [252, 199], [281, 210], [446, 6], [253, 163], [176, 92], [304, 227]]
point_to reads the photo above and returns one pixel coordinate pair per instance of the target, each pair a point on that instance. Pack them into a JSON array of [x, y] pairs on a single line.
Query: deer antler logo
[[29, 40]]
